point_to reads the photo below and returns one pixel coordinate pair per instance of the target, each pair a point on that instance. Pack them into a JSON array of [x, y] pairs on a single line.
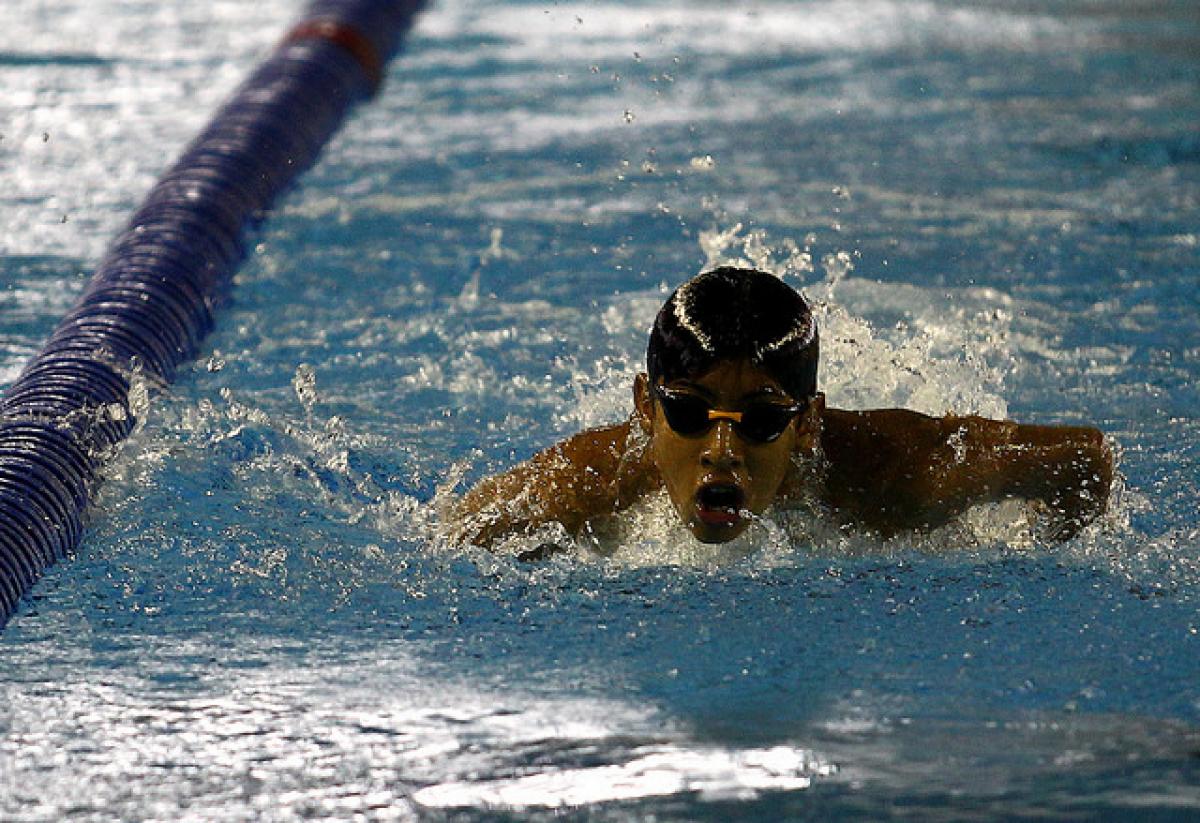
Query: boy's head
[[729, 397], [731, 314]]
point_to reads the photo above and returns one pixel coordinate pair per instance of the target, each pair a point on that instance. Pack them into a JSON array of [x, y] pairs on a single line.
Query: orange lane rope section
[[346, 36]]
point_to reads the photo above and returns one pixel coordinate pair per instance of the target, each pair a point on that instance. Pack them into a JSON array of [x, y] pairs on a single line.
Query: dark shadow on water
[[8, 58]]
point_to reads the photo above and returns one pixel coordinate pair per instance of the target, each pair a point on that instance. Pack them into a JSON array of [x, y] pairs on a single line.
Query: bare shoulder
[[591, 473], [842, 425], [865, 441], [873, 459], [599, 448]]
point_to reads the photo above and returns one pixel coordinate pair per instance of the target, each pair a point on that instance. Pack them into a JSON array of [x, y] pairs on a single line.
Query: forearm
[[895, 469], [1066, 468]]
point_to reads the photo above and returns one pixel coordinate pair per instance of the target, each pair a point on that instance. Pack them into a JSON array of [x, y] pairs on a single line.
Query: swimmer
[[728, 420]]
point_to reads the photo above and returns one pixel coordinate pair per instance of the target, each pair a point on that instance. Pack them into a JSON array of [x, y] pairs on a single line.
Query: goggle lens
[[760, 422]]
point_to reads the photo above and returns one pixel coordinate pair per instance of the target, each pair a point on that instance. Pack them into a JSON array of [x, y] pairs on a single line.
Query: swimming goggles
[[760, 421]]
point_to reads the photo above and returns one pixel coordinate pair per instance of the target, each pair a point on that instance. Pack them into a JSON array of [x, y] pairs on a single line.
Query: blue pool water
[[996, 207]]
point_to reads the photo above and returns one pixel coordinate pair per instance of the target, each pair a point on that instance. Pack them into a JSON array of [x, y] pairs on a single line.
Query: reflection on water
[[647, 772]]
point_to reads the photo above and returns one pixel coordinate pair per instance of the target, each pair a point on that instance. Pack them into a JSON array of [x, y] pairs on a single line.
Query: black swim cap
[[728, 314]]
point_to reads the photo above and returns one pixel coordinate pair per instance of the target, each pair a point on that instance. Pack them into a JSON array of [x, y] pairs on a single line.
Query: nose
[[722, 447]]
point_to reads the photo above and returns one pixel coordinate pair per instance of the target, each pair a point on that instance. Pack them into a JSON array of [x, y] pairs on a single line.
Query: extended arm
[[894, 469], [593, 473]]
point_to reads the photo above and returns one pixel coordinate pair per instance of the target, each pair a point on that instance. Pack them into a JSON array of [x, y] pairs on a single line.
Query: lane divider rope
[[154, 296]]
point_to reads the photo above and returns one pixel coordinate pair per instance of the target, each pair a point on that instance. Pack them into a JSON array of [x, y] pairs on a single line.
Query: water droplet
[[304, 383]]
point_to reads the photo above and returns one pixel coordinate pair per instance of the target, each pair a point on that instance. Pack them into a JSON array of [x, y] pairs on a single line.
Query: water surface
[[994, 206]]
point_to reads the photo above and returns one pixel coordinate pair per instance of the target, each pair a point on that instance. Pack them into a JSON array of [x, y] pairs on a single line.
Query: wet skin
[[717, 479], [882, 470]]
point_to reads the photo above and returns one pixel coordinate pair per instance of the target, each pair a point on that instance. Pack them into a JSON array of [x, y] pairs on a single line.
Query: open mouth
[[720, 504]]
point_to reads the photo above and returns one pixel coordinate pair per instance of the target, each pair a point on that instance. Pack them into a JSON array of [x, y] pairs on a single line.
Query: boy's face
[[717, 477]]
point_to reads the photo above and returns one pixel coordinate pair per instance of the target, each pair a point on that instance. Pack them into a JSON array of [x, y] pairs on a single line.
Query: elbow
[[1081, 484], [1103, 469]]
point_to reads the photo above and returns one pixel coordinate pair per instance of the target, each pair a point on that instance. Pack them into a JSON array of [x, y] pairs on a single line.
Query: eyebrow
[[767, 391], [688, 386], [770, 392]]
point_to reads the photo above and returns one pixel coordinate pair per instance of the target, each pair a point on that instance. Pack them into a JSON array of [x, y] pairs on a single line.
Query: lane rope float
[[349, 38], [152, 299]]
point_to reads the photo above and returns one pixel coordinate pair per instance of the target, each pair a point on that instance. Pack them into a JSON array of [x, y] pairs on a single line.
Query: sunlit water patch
[[282, 729]]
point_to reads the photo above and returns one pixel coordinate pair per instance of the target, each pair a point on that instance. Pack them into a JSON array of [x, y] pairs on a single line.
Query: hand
[[542, 551]]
